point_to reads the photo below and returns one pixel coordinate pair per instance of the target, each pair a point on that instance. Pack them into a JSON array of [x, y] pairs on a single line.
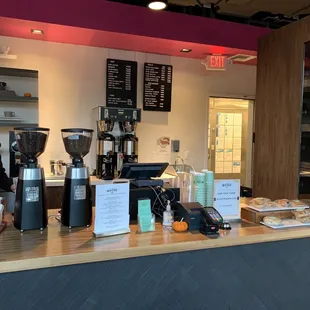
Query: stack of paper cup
[[205, 171], [200, 188], [209, 188]]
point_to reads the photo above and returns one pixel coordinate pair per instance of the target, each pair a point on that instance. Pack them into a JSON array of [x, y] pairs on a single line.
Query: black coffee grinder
[[129, 142], [106, 157], [30, 210], [76, 209]]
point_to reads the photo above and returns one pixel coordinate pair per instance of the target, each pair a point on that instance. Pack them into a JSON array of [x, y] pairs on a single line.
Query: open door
[[230, 139]]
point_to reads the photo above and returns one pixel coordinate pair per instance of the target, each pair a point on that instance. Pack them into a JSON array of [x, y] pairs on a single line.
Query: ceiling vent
[[241, 58]]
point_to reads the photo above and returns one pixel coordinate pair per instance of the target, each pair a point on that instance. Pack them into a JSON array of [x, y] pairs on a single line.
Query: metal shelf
[[6, 56], [17, 124], [19, 72], [20, 99]]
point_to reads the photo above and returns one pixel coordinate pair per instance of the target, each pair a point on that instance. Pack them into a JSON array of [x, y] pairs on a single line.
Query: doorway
[[230, 139]]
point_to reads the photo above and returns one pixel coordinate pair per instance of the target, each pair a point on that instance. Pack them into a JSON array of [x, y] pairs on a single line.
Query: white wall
[[72, 82]]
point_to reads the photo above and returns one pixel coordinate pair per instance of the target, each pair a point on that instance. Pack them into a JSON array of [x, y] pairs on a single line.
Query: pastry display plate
[[287, 224], [276, 208]]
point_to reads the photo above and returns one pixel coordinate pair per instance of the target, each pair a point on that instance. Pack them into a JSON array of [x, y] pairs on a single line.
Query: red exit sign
[[216, 62]]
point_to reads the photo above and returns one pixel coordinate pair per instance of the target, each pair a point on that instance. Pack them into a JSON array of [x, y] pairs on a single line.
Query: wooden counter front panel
[[266, 276]]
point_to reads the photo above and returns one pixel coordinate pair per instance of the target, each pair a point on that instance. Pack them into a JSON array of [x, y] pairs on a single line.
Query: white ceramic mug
[[4, 49], [9, 113]]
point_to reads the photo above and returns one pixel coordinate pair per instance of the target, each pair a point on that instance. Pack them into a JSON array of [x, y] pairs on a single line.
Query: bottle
[[168, 217]]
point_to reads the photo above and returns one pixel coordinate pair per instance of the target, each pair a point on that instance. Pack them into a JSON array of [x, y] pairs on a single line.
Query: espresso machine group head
[[30, 210], [76, 209]]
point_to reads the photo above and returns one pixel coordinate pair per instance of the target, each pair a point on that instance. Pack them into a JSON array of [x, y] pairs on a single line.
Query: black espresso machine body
[[77, 203], [30, 205]]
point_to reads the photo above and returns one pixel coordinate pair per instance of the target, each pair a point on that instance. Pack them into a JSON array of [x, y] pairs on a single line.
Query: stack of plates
[[209, 188], [200, 189]]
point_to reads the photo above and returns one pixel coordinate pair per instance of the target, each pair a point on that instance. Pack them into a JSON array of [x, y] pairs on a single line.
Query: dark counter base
[[268, 276]]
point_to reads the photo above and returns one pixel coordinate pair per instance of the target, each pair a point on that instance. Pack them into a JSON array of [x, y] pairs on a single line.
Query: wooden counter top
[[56, 246]]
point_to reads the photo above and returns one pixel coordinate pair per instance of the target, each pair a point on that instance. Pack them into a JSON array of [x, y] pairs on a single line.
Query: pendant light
[[157, 5]]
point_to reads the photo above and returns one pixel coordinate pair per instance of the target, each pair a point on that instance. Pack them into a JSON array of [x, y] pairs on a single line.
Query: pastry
[[283, 203], [302, 215], [259, 202], [271, 204], [272, 220], [297, 204]]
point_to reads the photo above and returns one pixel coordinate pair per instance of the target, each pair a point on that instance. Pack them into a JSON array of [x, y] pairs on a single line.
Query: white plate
[[277, 208], [287, 224]]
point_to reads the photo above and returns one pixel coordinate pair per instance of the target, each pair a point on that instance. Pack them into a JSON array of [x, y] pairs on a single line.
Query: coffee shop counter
[[249, 267]]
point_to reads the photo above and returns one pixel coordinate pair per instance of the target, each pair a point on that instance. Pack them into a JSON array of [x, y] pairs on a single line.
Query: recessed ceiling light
[[157, 5], [185, 50], [36, 31]]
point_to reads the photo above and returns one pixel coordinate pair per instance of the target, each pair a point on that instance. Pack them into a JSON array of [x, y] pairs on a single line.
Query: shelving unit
[[24, 73], [20, 99], [19, 104]]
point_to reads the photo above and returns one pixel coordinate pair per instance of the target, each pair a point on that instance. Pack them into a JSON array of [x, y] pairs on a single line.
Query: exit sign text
[[216, 62]]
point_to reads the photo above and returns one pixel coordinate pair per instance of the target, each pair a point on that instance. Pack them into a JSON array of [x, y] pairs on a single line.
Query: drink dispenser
[[105, 150]]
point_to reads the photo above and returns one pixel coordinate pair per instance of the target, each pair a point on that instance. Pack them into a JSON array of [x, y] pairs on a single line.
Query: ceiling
[[114, 25], [250, 7], [264, 13]]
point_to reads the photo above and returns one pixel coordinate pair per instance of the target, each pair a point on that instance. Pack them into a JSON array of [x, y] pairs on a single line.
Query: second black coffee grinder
[[76, 209], [30, 210]]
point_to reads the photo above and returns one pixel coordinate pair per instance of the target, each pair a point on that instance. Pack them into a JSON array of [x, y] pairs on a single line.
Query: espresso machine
[[129, 142], [116, 140], [76, 209], [106, 157], [30, 210]]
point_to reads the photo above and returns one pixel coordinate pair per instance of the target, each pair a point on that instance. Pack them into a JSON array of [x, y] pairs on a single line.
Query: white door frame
[[226, 96]]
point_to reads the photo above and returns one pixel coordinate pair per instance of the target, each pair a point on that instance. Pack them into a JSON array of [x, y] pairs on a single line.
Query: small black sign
[[121, 83], [157, 87]]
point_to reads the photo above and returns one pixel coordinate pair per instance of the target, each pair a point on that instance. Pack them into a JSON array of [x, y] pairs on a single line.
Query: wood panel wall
[[278, 111]]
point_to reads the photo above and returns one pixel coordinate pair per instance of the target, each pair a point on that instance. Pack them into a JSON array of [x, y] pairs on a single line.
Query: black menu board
[[121, 83], [157, 87]]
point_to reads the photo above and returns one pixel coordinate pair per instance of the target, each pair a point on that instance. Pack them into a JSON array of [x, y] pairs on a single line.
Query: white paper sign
[[227, 198], [112, 209]]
